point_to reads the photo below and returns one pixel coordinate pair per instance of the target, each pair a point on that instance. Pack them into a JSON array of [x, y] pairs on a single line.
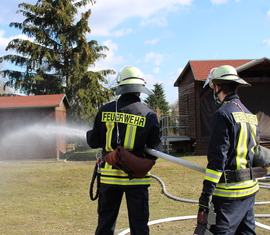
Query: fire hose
[[178, 161], [187, 217], [201, 169]]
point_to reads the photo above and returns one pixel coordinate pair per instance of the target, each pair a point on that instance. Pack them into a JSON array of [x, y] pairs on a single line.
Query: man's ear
[[217, 87]]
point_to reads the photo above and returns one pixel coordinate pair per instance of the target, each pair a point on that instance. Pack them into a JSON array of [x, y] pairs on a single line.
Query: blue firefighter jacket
[[138, 128], [231, 148]]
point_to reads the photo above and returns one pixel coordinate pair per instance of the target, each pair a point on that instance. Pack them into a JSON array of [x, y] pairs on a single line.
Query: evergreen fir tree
[[58, 58], [157, 101]]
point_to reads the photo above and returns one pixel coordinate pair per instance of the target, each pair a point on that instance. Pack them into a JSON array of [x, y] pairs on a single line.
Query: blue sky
[[160, 37]]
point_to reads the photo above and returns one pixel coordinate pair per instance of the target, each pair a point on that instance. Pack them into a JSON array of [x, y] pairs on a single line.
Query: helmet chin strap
[[215, 95]]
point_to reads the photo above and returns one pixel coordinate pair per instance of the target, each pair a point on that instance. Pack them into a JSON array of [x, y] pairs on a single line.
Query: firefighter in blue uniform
[[138, 127], [228, 179]]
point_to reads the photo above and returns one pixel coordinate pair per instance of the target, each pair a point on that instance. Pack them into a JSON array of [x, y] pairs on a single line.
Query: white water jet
[[45, 131], [39, 141]]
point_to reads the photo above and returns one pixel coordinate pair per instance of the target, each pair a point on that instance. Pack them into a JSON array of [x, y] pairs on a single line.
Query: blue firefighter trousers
[[234, 217], [108, 208]]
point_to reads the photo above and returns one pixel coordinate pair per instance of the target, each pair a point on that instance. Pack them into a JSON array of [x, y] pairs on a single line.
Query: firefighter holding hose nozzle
[[230, 183], [125, 124]]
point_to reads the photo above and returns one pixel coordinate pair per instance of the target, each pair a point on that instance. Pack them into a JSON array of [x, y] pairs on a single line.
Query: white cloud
[[152, 41], [150, 80], [5, 40], [266, 42], [160, 21], [122, 32], [171, 91], [268, 15], [107, 14], [156, 70], [155, 58], [111, 61], [173, 76], [219, 1], [9, 9]]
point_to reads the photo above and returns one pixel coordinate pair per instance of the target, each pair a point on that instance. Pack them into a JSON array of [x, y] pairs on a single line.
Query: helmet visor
[[131, 88]]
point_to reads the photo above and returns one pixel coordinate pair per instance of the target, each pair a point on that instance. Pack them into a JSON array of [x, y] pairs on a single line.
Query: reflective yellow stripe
[[253, 130], [118, 181], [242, 148], [109, 127], [107, 166], [130, 137], [237, 185], [119, 177], [236, 190], [212, 175]]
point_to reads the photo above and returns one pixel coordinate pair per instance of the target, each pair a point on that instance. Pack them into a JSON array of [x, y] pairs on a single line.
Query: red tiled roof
[[201, 69], [35, 101]]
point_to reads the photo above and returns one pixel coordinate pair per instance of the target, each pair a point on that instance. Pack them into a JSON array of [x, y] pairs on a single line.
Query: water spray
[[31, 141]]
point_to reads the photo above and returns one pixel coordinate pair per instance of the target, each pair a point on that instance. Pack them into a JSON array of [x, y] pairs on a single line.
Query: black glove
[[204, 201]]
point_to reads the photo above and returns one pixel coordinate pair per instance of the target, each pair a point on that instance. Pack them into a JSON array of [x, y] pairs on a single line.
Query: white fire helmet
[[130, 79], [224, 74]]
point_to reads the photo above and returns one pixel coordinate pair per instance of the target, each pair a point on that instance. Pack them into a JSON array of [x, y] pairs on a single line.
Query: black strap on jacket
[[242, 175]]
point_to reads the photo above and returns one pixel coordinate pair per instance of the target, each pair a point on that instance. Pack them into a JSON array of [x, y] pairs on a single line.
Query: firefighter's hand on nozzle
[[204, 201], [206, 215]]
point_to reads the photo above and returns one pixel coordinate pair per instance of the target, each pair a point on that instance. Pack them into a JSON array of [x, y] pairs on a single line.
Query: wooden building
[[198, 104], [23, 123]]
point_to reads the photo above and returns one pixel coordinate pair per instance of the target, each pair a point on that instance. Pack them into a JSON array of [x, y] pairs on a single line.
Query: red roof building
[[35, 101], [197, 105], [24, 125], [200, 68]]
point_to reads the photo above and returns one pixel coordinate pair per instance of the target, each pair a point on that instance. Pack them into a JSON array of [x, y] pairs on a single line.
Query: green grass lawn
[[51, 197]]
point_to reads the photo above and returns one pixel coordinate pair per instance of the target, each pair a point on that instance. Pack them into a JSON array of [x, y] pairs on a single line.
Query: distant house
[[23, 120], [198, 103]]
